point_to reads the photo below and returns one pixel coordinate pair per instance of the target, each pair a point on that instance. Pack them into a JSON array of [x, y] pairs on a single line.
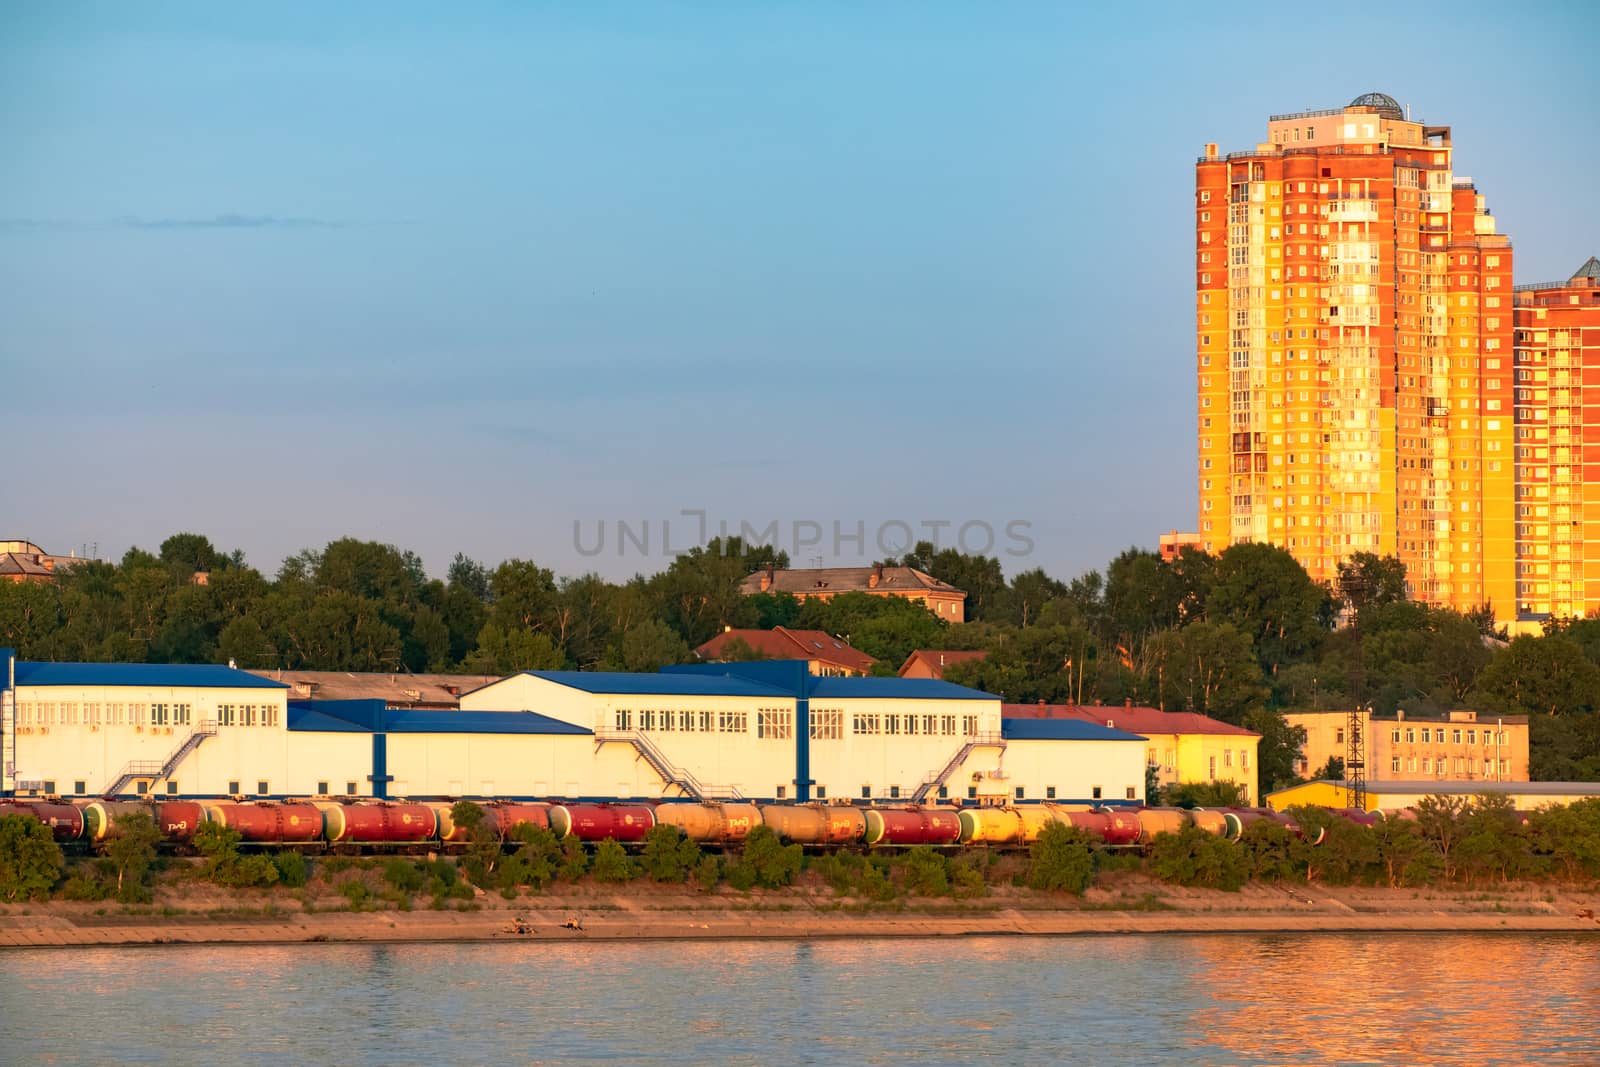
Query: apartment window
[[261, 787], [1338, 737], [224, 714], [1472, 737], [1411, 763], [1455, 737], [1244, 758], [1411, 735], [1394, 737], [1505, 766], [1227, 757], [1394, 763], [1095, 792], [1212, 766], [1427, 765]]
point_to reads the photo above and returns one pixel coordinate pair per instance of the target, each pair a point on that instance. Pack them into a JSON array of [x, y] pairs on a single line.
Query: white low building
[[767, 731]]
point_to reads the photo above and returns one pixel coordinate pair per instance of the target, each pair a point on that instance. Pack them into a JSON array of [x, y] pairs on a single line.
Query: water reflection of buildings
[[1341, 998]]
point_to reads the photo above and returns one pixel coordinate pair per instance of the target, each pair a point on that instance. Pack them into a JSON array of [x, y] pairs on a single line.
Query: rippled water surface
[[1203, 999]]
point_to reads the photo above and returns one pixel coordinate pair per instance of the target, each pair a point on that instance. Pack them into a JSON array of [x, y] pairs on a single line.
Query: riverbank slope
[[1131, 904]]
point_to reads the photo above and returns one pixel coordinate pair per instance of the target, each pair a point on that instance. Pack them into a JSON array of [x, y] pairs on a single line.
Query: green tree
[[30, 860], [1193, 857], [926, 873], [765, 861], [647, 646], [1206, 795], [506, 652], [483, 841], [186, 553], [669, 855], [1542, 676], [1207, 668], [1368, 579], [131, 848], [611, 863], [1060, 860], [1263, 591]]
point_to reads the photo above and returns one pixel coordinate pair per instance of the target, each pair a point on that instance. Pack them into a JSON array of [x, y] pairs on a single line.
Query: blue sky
[[460, 277]]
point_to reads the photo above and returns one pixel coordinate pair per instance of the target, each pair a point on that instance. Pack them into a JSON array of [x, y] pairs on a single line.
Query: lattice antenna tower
[[1355, 758]]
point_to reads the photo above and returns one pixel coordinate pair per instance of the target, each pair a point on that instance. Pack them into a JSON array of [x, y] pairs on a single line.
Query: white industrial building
[[755, 731]]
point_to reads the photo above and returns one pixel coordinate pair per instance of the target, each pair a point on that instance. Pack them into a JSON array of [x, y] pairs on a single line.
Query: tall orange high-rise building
[[1558, 446], [1353, 312]]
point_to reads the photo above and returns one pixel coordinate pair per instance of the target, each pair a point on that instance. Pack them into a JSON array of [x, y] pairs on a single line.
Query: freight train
[[400, 825]]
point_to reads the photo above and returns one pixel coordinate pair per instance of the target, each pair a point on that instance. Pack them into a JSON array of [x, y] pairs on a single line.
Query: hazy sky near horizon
[[461, 277]]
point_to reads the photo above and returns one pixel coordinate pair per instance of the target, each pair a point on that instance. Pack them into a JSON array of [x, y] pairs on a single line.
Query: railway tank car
[[815, 824]]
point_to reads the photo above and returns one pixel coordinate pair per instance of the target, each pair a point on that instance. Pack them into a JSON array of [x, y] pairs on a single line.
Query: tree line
[[1243, 636]]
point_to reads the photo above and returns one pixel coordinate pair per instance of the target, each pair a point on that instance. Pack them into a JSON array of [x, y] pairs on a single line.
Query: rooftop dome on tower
[[1382, 103]]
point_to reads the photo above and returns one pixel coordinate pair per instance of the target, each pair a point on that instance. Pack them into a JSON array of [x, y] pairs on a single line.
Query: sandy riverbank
[[1133, 905]]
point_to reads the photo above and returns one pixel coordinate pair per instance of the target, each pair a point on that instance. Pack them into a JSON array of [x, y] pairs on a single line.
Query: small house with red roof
[[825, 655], [931, 662]]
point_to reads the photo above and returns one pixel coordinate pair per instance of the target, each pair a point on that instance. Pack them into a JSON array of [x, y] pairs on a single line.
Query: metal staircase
[[669, 773], [154, 770], [976, 741]]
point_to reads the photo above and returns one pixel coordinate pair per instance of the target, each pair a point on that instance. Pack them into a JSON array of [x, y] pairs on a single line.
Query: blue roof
[[173, 675], [426, 721], [370, 716], [1061, 730], [894, 689], [309, 717], [666, 684], [794, 677]]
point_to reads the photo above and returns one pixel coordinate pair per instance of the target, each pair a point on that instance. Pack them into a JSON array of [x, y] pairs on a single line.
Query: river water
[[1137, 1000]]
